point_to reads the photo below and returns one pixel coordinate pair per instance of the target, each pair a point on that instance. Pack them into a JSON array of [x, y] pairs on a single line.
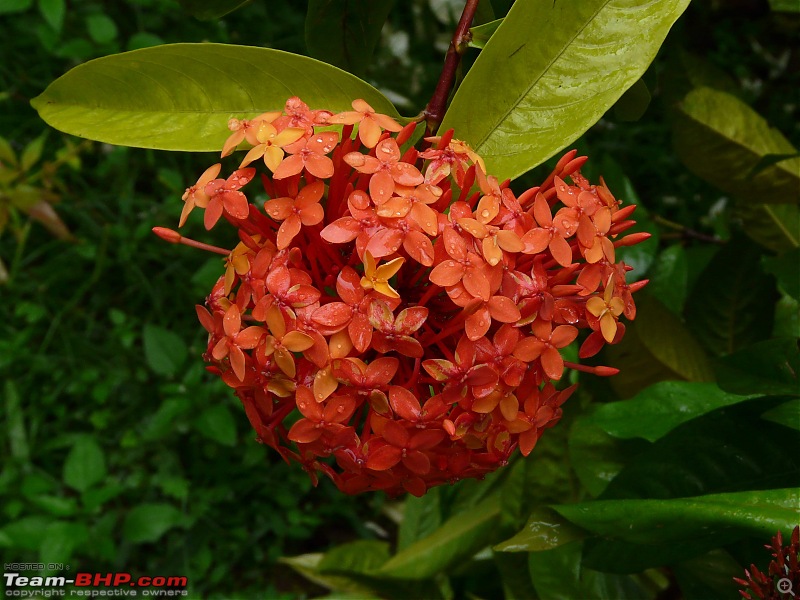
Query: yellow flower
[[377, 278], [607, 309]]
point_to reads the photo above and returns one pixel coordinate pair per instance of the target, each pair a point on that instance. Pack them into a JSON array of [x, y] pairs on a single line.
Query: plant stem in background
[[434, 111]]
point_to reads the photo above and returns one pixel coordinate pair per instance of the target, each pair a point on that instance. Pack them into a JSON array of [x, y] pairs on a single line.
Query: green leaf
[[217, 423], [527, 97], [162, 422], [596, 456], [785, 270], [721, 140], [14, 6], [731, 306], [669, 278], [774, 226], [784, 5], [730, 449], [307, 565], [657, 346], [633, 103], [32, 152], [769, 367], [181, 96], [344, 32], [148, 522], [28, 532], [59, 542], [53, 12], [455, 541], [513, 569], [361, 557], [787, 414], [101, 29], [558, 575], [545, 530], [207, 10], [421, 517], [85, 464], [164, 351], [480, 35], [655, 411], [15, 424], [753, 513], [708, 576]]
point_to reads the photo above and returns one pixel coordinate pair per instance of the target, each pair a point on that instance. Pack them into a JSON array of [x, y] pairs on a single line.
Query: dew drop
[[340, 409], [386, 149], [338, 346], [485, 213], [319, 140], [321, 396]]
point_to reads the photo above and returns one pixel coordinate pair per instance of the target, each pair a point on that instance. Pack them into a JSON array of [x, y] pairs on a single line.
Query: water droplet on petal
[[485, 213], [340, 409], [321, 396], [318, 140]]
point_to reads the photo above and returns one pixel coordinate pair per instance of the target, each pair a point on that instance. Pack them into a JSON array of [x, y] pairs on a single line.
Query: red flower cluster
[[783, 574], [405, 303]]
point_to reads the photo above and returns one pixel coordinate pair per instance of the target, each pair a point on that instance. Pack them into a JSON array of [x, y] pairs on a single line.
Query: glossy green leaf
[[344, 32], [731, 306], [181, 96], [669, 278], [730, 449], [633, 103], [149, 522], [774, 226], [480, 34], [455, 541], [786, 269], [752, 513], [207, 10], [164, 350], [721, 139], [217, 423], [559, 575], [787, 414], [85, 465], [545, 530], [770, 367], [655, 411], [527, 97]]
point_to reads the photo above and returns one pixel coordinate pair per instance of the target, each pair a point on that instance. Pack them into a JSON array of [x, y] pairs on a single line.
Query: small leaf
[[164, 351], [85, 464], [14, 6], [101, 28], [480, 35], [455, 541], [217, 423], [207, 10], [784, 6], [344, 32], [15, 424], [60, 541], [32, 152], [53, 12], [721, 140], [769, 367], [553, 86], [149, 522], [28, 533], [159, 97], [655, 411], [421, 517]]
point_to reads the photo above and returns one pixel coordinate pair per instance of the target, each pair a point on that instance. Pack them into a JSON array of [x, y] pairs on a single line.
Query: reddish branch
[[434, 111]]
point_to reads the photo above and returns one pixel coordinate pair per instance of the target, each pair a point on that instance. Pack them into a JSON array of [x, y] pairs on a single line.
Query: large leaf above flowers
[[181, 96], [550, 71]]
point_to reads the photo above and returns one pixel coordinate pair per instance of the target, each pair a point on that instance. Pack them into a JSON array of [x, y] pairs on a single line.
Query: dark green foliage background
[[120, 452]]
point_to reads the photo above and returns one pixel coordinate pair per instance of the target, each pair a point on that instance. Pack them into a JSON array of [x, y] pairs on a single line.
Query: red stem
[[434, 111]]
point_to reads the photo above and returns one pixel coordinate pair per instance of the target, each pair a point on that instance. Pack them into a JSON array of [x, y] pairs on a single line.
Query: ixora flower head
[[392, 318]]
